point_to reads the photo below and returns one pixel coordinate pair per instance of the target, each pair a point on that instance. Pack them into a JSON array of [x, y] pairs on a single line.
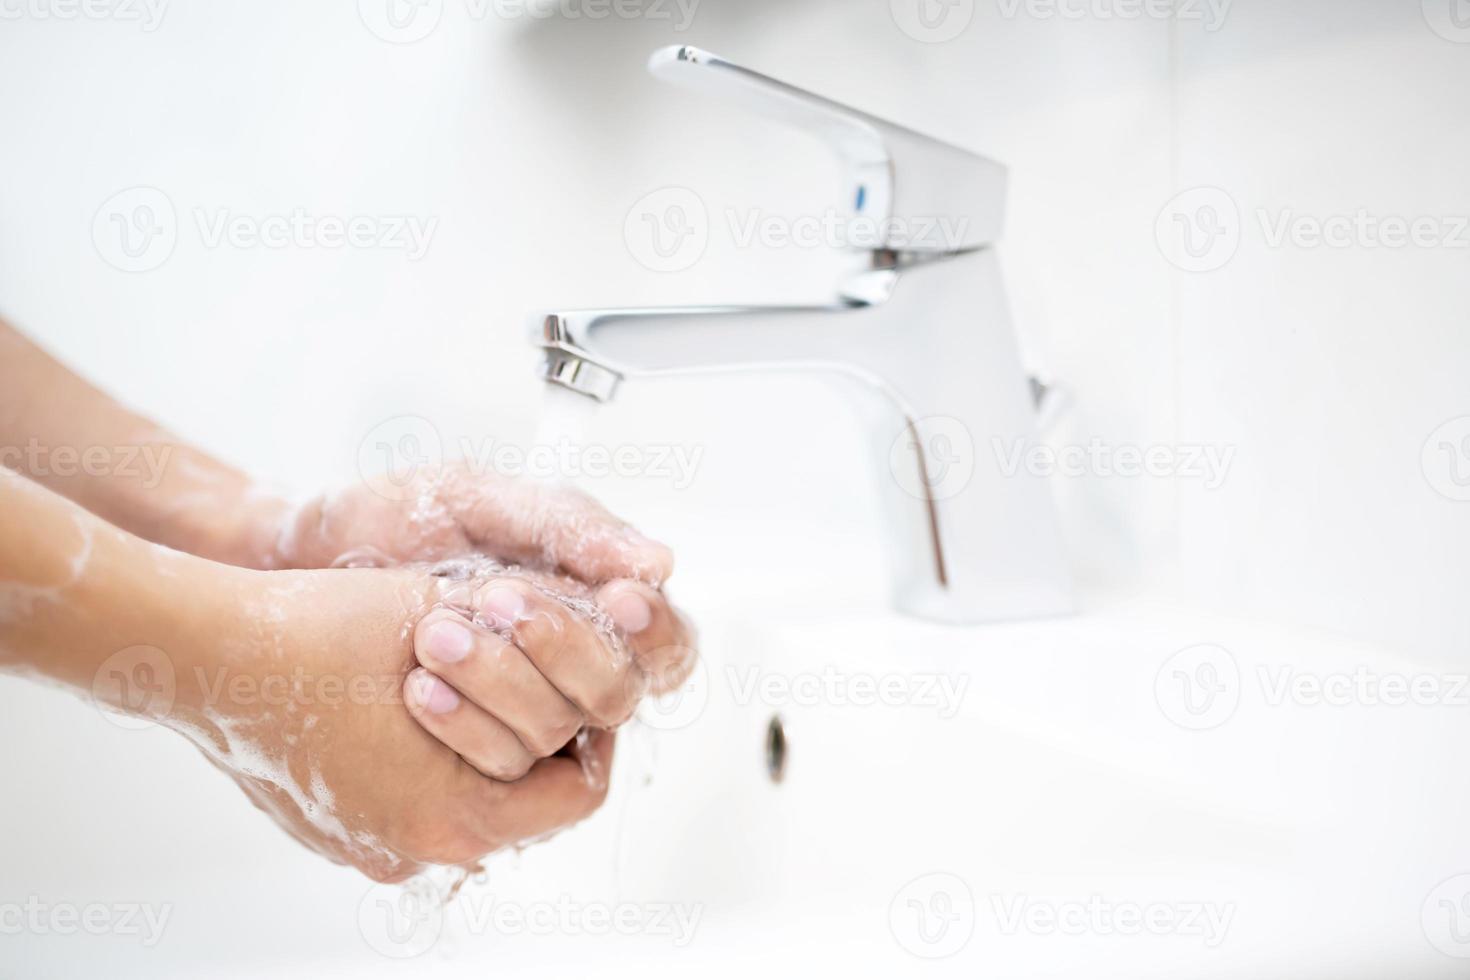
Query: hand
[[452, 512], [514, 666], [299, 702], [562, 678]]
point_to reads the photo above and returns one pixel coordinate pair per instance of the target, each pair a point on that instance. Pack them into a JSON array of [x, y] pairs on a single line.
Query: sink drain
[[776, 749]]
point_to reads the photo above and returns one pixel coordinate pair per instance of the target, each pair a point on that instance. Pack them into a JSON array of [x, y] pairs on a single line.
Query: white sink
[[1069, 814], [1067, 801]]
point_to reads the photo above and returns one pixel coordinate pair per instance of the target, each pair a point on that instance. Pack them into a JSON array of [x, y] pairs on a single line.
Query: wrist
[[279, 646], [117, 619], [246, 531]]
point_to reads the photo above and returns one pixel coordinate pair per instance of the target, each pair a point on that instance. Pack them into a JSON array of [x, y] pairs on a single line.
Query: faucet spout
[[973, 534]]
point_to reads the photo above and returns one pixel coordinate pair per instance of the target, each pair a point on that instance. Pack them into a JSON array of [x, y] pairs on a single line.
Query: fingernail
[[660, 558], [435, 696], [449, 642], [665, 558], [631, 612], [503, 606]]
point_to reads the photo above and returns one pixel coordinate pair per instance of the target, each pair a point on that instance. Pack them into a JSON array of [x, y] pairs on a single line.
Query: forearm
[[75, 592], [60, 431]]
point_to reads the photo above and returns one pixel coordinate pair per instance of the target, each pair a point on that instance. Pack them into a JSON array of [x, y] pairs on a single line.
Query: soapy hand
[[451, 512], [514, 665], [292, 682], [333, 757], [518, 673], [588, 557]]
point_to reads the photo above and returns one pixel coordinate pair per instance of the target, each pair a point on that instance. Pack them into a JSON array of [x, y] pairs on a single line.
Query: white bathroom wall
[[1323, 370], [529, 141], [1329, 367]]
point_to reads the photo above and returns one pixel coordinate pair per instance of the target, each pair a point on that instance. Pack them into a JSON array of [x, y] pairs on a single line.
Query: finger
[[662, 641], [589, 667], [558, 527], [553, 795], [482, 741], [498, 677]]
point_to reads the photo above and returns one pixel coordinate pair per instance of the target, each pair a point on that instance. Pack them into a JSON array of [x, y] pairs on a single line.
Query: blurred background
[[1166, 176]]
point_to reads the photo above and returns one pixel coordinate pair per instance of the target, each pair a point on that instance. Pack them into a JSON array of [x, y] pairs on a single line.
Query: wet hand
[[513, 667], [451, 512], [301, 702]]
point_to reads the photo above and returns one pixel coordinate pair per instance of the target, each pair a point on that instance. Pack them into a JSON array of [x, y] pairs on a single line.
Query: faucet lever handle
[[907, 192]]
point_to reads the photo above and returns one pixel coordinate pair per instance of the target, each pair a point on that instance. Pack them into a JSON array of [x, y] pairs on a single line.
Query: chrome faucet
[[922, 321]]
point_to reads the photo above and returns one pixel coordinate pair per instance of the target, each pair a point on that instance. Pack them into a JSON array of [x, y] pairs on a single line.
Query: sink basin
[[1147, 791]]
